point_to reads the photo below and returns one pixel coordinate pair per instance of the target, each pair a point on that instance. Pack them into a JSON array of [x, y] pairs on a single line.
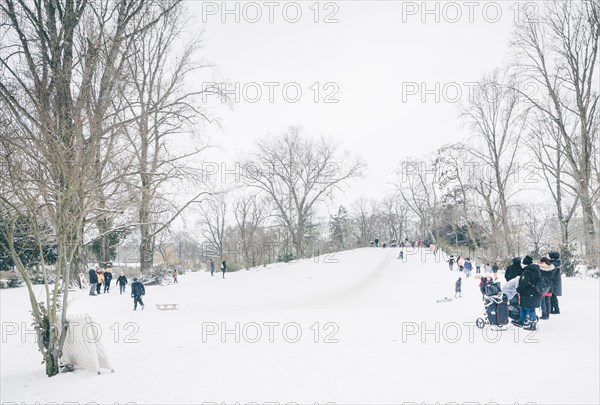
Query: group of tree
[[528, 171], [92, 94]]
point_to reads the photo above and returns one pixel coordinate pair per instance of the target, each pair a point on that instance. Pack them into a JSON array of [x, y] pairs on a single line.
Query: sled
[[445, 299], [165, 307]]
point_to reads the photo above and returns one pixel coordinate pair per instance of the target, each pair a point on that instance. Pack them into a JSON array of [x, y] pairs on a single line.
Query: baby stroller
[[510, 290], [496, 307]]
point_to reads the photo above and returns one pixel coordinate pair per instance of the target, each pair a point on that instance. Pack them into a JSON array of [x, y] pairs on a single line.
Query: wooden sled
[[165, 307]]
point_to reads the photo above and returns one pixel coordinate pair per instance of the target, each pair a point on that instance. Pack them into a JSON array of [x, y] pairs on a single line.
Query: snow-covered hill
[[357, 327]]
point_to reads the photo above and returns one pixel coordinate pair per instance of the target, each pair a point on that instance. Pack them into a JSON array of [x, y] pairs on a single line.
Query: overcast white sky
[[374, 50]]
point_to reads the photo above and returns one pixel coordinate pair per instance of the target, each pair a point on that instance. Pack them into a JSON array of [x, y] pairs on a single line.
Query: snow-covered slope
[[357, 327]]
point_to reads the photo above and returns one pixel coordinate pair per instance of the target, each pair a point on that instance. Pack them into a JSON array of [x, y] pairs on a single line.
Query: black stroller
[[496, 307]]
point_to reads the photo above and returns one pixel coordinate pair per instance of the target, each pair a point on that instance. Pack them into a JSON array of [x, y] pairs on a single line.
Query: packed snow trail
[[370, 332]]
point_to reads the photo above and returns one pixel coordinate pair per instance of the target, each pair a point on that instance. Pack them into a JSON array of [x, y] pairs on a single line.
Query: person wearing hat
[[529, 298], [93, 281], [514, 270], [137, 291], [122, 282], [556, 283]]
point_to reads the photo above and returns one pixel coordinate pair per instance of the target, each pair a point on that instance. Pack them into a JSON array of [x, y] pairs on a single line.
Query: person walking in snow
[[461, 263], [457, 288], [495, 269], [478, 267], [556, 283], [122, 282], [93, 281], [107, 279], [175, 277], [100, 275], [451, 262], [468, 267], [137, 291], [211, 266], [223, 268]]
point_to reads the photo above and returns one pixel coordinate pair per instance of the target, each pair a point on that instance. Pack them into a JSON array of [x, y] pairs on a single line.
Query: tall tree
[[296, 173], [496, 116], [558, 50]]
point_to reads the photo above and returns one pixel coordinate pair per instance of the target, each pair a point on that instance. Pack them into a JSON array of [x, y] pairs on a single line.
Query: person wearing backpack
[[529, 297], [556, 283], [544, 287]]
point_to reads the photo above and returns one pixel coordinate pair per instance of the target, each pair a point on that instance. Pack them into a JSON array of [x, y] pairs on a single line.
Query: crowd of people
[[100, 279], [528, 285]]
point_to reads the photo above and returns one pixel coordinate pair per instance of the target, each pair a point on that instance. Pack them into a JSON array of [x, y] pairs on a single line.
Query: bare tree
[[545, 144], [496, 116], [393, 214], [48, 62], [296, 173], [213, 223], [365, 218], [535, 217], [161, 104], [418, 186], [559, 52], [250, 213]]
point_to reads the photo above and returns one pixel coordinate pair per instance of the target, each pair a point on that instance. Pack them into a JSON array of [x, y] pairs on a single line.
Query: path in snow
[[372, 308]]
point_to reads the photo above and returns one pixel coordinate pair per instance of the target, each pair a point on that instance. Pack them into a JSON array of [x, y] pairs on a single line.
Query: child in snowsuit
[[457, 288], [122, 282], [137, 291]]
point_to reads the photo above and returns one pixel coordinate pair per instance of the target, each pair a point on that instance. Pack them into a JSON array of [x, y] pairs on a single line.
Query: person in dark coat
[[458, 287], [107, 279], [514, 270], [547, 271], [122, 282], [137, 291], [495, 269], [529, 298], [556, 283], [484, 281], [223, 268], [93, 281], [451, 262]]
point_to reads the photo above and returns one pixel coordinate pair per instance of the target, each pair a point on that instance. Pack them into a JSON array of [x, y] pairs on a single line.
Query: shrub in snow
[[14, 282]]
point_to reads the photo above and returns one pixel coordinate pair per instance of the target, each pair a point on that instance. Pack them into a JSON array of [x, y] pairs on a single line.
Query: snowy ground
[[371, 333]]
